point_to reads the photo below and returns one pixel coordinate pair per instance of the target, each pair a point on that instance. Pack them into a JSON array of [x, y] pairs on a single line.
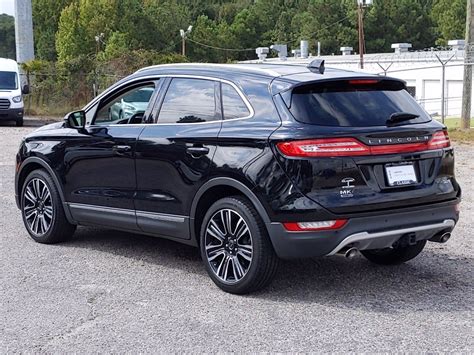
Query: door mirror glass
[[25, 90], [76, 119]]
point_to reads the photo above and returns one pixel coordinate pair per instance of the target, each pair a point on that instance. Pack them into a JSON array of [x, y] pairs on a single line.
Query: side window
[[128, 107], [189, 101], [233, 105]]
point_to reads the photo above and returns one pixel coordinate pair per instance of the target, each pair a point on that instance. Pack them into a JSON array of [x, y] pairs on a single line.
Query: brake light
[[314, 226], [336, 147], [439, 140], [363, 82]]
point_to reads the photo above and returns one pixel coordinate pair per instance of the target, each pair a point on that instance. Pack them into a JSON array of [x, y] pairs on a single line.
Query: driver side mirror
[[25, 90], [76, 119]]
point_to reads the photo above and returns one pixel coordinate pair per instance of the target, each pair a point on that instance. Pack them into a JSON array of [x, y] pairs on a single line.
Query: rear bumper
[[373, 232], [11, 114]]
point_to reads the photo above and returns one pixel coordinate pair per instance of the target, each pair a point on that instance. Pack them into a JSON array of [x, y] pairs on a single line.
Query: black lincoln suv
[[250, 163]]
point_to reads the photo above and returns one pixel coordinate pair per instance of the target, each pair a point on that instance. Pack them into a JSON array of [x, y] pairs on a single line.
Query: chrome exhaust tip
[[441, 237], [348, 252]]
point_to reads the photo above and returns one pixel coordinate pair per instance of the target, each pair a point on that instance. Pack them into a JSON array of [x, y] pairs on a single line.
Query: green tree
[[449, 17], [46, 15], [7, 36]]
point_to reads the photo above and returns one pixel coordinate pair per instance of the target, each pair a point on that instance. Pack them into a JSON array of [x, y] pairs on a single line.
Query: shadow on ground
[[434, 281]]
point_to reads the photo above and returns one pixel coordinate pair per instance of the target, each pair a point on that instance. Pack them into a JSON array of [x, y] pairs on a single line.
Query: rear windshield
[[354, 103], [8, 80]]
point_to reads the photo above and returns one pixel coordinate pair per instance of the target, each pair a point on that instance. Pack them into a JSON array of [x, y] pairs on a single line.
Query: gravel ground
[[108, 291]]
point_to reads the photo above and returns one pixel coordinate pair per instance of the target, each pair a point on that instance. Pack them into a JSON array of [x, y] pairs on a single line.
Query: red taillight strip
[[336, 147], [301, 226]]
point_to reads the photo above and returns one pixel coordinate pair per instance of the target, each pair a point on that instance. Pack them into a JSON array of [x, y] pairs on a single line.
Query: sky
[[7, 7]]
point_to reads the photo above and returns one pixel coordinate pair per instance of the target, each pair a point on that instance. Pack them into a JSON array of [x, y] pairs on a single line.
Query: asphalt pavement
[[108, 291]]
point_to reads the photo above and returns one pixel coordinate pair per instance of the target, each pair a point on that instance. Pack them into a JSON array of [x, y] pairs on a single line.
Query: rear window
[[354, 103]]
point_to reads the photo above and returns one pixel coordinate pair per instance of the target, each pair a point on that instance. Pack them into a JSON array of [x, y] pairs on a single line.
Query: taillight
[[439, 140], [314, 226], [336, 147], [333, 147]]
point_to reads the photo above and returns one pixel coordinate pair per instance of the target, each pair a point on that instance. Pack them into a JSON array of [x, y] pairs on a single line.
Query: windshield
[[8, 80], [354, 103], [142, 95]]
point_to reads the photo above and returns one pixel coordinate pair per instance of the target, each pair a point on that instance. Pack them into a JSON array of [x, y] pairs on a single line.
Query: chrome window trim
[[190, 76]]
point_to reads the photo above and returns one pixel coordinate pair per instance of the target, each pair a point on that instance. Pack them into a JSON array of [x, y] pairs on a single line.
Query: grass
[[456, 133]]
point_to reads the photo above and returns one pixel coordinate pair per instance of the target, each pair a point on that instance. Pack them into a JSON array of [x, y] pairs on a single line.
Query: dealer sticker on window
[[399, 175]]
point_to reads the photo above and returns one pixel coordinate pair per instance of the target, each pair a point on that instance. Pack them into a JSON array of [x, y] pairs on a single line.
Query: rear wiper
[[401, 117]]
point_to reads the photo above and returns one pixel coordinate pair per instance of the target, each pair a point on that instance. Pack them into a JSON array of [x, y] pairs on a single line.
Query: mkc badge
[[347, 189]]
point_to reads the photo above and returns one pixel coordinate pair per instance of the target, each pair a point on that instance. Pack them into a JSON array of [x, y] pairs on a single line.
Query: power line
[[221, 48], [252, 49]]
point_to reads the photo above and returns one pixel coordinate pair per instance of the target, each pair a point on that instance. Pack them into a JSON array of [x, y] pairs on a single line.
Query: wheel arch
[[33, 163], [214, 190]]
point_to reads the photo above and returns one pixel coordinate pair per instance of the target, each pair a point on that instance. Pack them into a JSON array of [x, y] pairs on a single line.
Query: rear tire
[[394, 256], [19, 122], [235, 247], [42, 209]]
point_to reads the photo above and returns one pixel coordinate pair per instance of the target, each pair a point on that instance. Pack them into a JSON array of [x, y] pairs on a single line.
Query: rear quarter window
[[353, 103]]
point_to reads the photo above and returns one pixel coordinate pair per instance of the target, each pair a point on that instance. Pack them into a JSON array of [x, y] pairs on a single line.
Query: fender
[[53, 175], [225, 181]]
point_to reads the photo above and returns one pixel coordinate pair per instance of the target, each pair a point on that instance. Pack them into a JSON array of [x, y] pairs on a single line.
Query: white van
[[11, 93]]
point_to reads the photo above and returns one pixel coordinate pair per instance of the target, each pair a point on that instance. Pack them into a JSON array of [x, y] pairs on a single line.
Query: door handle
[[121, 148], [197, 151]]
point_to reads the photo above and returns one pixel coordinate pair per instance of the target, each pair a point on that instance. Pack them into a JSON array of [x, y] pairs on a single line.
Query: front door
[[100, 180], [173, 157]]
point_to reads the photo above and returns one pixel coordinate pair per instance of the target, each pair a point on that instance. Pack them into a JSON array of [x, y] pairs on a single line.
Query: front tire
[[235, 247], [394, 256], [42, 209]]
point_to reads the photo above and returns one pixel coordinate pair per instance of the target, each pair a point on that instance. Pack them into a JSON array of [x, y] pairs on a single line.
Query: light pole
[[184, 35], [361, 4]]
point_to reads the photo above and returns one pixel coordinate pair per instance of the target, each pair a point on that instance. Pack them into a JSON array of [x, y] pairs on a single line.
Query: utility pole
[[361, 4], [184, 34], [24, 31], [360, 14], [468, 63]]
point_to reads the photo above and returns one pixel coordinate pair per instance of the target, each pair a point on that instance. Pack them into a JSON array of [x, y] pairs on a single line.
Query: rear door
[[173, 156], [363, 145]]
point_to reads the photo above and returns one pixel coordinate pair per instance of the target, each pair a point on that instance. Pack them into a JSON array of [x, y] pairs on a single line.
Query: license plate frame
[[399, 175]]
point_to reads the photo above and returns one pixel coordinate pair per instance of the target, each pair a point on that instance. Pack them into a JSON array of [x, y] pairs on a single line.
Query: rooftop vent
[[304, 47], [401, 47], [457, 44], [296, 53], [262, 53], [346, 50], [281, 49]]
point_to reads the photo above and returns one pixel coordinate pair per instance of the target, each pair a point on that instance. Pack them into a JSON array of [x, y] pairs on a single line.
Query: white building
[[422, 70]]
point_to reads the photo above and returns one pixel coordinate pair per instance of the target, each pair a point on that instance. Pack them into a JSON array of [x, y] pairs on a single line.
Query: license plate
[[400, 175]]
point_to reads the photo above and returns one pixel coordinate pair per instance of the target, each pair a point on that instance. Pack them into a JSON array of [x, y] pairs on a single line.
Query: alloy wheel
[[228, 243], [38, 207]]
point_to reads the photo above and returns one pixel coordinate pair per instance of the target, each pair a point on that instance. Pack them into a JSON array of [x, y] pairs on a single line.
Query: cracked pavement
[[108, 291]]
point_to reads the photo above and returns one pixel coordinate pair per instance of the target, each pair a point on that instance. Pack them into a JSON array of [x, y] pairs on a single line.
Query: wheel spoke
[[44, 191], [28, 215], [220, 267], [244, 255], [215, 231], [48, 211], [238, 269], [34, 224], [29, 194], [223, 221], [44, 224], [242, 231]]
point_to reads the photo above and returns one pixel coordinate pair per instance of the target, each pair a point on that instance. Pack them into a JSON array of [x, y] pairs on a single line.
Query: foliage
[[450, 18], [7, 36]]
